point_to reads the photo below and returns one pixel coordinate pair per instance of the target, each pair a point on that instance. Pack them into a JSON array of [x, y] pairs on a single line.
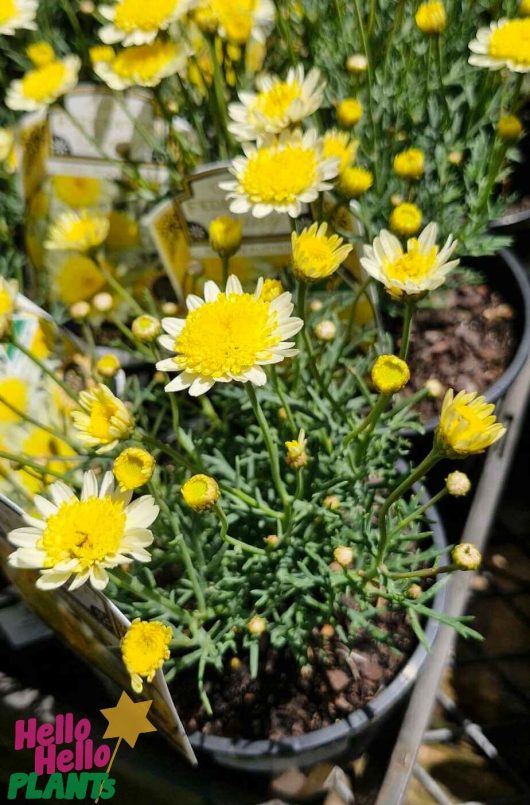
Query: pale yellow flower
[[317, 255], [280, 175], [77, 231], [138, 22], [228, 337], [467, 425], [506, 43], [42, 86], [201, 492], [102, 420], [144, 649], [82, 537], [142, 65]]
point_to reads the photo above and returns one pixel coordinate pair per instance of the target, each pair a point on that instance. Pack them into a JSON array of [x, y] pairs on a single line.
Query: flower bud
[[343, 555], [108, 365], [201, 492], [80, 310], [349, 112], [296, 452], [103, 302], [327, 631], [457, 484], [225, 235], [257, 626], [455, 157], [414, 592], [431, 18], [40, 53], [509, 128], [390, 374], [134, 467], [410, 164], [170, 308], [146, 328], [272, 540], [405, 219], [325, 330], [434, 388], [466, 556], [235, 663], [315, 305], [331, 502], [356, 63], [354, 181]]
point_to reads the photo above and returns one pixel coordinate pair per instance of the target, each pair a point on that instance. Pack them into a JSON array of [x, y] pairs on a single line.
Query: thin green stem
[[369, 421], [420, 511], [236, 543], [415, 475], [123, 292], [424, 573], [269, 443], [136, 588], [42, 366], [410, 306]]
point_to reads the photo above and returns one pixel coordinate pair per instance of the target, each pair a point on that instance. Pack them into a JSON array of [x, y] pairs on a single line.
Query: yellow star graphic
[[128, 719]]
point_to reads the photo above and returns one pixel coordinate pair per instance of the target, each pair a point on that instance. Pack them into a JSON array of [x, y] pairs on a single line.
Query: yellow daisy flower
[[142, 65], [75, 278], [389, 374], [17, 14], [405, 219], [431, 18], [133, 468], [339, 144], [421, 268], [42, 86], [506, 43], [78, 191], [354, 181], [467, 425], [201, 492], [82, 536], [228, 337], [144, 649], [317, 255], [410, 164], [296, 451], [103, 420], [280, 175], [238, 21], [137, 22], [277, 105], [77, 231]]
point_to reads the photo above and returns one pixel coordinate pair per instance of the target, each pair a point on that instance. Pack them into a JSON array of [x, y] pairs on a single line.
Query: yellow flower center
[[44, 82], [8, 10], [340, 146], [82, 231], [279, 175], [145, 61], [89, 530], [145, 647], [227, 336], [413, 265], [6, 302], [77, 280], [468, 422], [102, 410], [275, 102], [77, 191], [16, 392], [511, 41], [145, 15]]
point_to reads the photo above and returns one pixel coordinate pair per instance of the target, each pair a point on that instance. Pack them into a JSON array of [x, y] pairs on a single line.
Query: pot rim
[[226, 749]]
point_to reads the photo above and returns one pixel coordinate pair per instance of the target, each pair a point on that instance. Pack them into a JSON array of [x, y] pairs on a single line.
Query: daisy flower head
[[144, 649], [80, 191], [74, 277], [316, 254], [506, 43], [142, 65], [102, 419], [240, 21], [467, 425], [17, 14], [77, 231], [138, 22], [228, 336], [421, 268], [354, 181], [8, 294], [83, 536], [410, 164], [280, 175], [42, 86], [277, 104], [339, 144], [431, 17], [405, 219]]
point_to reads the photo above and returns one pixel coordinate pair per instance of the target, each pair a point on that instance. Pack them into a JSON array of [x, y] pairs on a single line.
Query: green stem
[[123, 292], [422, 574], [165, 448], [370, 420], [250, 501], [22, 461], [410, 306], [237, 543], [42, 366], [151, 596], [224, 140], [419, 512], [269, 443], [415, 475], [224, 266]]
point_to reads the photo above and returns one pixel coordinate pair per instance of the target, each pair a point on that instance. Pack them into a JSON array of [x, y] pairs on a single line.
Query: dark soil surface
[[286, 700], [466, 341]]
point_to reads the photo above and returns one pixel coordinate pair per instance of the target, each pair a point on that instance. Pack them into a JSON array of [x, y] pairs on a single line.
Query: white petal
[[79, 579], [233, 285], [200, 386], [168, 342], [98, 577], [90, 486], [173, 326], [257, 376], [141, 513], [211, 291], [183, 381], [50, 580], [107, 485], [167, 365], [60, 492], [44, 506], [24, 537], [193, 301]]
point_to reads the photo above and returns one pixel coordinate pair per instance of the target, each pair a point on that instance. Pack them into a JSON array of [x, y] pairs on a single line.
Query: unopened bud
[[331, 502], [80, 310], [257, 626], [170, 308], [325, 330], [315, 305], [457, 484], [108, 365], [434, 387], [343, 555], [466, 556], [272, 540], [103, 302], [146, 328], [327, 631], [414, 591]]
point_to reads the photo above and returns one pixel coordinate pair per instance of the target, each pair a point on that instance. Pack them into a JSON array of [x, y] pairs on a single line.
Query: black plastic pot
[[504, 273], [347, 737]]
